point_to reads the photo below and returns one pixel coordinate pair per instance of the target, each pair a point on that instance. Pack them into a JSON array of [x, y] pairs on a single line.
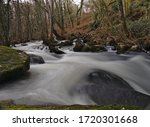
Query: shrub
[[139, 28], [95, 25]]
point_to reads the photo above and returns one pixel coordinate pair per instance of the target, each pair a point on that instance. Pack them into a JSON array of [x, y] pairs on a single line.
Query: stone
[[36, 59], [78, 47], [65, 43], [13, 63]]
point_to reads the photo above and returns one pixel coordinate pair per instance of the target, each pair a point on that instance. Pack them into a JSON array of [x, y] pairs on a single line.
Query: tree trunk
[[123, 17], [52, 21], [79, 11], [5, 20]]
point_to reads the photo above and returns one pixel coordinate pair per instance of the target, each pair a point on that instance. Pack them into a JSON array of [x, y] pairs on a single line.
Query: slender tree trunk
[[52, 20], [69, 15], [79, 11], [123, 17], [61, 16], [5, 20], [19, 22]]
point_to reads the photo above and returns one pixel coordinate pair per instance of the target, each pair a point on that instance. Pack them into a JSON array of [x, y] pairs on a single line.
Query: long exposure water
[[81, 78]]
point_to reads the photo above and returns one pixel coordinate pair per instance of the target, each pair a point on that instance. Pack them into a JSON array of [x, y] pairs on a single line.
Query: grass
[[9, 105]]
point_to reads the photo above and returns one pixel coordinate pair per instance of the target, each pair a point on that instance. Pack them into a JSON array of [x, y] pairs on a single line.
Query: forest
[[75, 52]]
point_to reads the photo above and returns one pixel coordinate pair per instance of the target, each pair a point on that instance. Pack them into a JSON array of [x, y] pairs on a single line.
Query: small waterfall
[[111, 49]]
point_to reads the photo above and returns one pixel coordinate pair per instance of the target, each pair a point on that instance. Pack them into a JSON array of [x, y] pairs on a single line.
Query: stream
[[81, 78]]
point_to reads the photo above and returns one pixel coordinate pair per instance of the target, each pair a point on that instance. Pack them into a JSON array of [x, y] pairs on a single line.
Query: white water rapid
[[58, 80]]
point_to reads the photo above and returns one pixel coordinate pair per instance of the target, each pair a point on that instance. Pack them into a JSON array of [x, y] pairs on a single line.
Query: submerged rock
[[36, 59], [13, 63], [105, 88], [105, 95]]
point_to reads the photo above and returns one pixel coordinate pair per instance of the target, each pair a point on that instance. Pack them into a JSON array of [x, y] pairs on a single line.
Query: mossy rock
[[93, 48], [122, 48], [98, 48], [135, 48], [86, 48], [13, 63]]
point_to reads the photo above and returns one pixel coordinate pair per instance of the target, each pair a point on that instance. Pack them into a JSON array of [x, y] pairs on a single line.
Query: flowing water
[[81, 78]]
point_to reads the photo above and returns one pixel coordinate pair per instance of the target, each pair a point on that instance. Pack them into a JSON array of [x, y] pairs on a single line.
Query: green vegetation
[[12, 63], [9, 105], [139, 28]]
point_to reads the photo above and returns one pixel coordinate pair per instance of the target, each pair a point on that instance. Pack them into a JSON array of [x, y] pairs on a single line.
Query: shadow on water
[[8, 84]]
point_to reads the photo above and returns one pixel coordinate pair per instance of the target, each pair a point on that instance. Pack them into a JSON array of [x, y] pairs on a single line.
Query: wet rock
[[24, 44], [36, 59], [143, 43], [110, 41], [86, 48], [122, 48], [98, 48], [135, 48], [54, 49], [105, 88], [78, 47], [71, 36], [13, 63], [107, 79], [105, 95], [65, 43]]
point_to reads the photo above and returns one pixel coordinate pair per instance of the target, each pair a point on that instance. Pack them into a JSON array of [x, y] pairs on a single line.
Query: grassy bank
[[9, 105]]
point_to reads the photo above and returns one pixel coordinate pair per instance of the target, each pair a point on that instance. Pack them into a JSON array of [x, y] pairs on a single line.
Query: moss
[[122, 48], [139, 28], [9, 105], [12, 63]]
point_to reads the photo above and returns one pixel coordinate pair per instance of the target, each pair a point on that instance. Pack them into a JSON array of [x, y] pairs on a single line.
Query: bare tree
[[5, 20], [79, 11], [123, 17]]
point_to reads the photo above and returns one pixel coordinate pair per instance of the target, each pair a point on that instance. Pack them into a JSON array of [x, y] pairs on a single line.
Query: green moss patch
[[9, 105], [13, 63]]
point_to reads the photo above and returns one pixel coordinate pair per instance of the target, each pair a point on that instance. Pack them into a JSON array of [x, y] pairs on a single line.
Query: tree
[[123, 17], [79, 11], [5, 20]]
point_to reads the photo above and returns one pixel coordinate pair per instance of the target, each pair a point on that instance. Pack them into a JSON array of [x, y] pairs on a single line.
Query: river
[[82, 78]]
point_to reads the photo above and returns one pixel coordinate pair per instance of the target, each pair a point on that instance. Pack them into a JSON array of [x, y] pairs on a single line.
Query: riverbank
[[9, 105]]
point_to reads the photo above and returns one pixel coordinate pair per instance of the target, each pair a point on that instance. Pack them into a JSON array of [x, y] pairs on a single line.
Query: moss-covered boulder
[[13, 63]]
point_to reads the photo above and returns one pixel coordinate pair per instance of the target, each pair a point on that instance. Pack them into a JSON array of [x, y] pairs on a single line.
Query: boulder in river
[[24, 44], [78, 47], [13, 63], [105, 88], [36, 59], [54, 49], [122, 48], [65, 43]]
